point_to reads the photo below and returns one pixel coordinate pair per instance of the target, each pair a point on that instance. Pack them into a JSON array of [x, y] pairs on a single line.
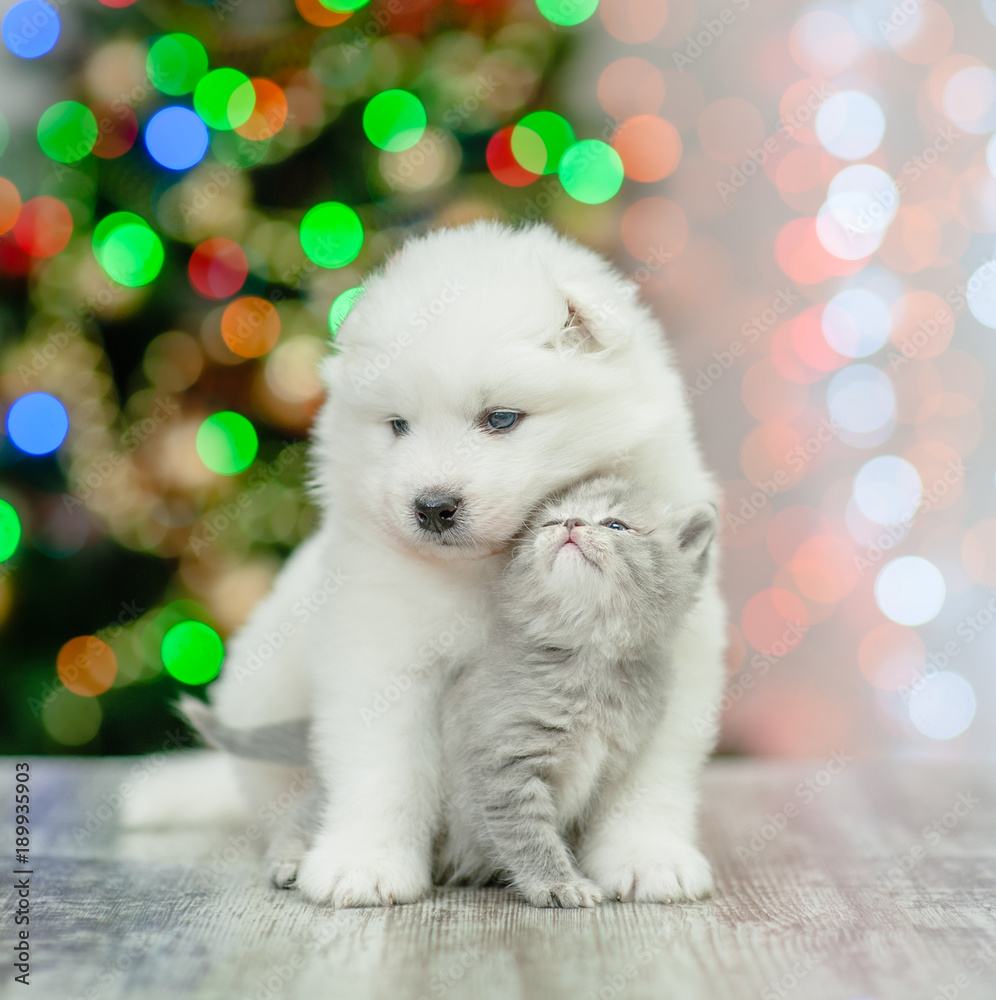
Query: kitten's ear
[[697, 526]]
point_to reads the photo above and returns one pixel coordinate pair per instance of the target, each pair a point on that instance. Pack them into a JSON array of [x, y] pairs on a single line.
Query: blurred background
[[191, 193]]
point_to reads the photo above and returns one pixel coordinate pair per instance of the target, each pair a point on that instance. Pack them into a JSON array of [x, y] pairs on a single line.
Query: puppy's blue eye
[[616, 525], [399, 426], [502, 420]]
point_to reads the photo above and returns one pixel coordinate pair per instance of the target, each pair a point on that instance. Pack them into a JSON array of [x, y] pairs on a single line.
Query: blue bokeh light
[[31, 28], [176, 138], [37, 423]]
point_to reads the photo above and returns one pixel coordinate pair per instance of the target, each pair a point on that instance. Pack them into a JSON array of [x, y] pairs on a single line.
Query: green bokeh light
[[71, 719], [227, 443], [540, 140], [176, 63], [10, 530], [331, 234], [591, 171], [193, 652], [394, 120], [344, 6], [342, 307], [224, 98], [67, 131], [567, 12], [127, 249]]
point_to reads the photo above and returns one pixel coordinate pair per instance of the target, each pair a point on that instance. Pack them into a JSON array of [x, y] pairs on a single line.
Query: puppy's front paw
[[673, 872], [567, 895], [332, 876]]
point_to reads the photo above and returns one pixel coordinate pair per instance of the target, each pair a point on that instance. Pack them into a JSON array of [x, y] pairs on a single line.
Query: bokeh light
[[192, 652], [37, 423], [942, 705], [218, 268], [540, 140], [861, 398], [649, 147], [70, 719], [176, 138], [502, 162], [850, 125], [176, 63], [887, 489], [981, 294], [10, 530], [591, 171], [224, 98], [67, 131], [117, 126], [44, 226], [855, 323], [127, 249], [31, 28], [629, 87], [10, 205], [567, 12], [910, 590], [394, 120], [86, 665], [970, 99], [331, 234], [269, 112], [250, 326], [227, 443], [342, 306]]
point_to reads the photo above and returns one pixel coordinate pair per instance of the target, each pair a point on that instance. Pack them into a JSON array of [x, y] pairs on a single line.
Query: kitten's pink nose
[[573, 522]]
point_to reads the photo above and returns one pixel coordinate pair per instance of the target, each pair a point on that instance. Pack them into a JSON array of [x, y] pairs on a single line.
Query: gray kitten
[[565, 693]]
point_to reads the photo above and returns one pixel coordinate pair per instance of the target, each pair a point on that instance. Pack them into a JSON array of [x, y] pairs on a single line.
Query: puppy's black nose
[[437, 513]]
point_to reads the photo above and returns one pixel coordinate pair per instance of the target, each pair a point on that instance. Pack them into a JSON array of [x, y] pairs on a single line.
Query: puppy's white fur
[[514, 320]]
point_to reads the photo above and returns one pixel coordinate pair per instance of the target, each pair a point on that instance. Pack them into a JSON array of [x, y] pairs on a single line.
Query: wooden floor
[[867, 884]]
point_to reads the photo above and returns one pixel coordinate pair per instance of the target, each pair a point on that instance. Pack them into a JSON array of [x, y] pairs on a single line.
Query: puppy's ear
[[697, 526], [590, 327]]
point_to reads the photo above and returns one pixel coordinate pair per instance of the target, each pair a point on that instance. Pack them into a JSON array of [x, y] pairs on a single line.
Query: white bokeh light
[[850, 125], [910, 590], [855, 323], [942, 705], [861, 398], [981, 294], [970, 99], [887, 490], [861, 202]]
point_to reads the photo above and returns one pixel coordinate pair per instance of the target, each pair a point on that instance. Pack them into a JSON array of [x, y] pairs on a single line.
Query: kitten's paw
[[567, 895], [283, 871], [334, 877], [666, 873]]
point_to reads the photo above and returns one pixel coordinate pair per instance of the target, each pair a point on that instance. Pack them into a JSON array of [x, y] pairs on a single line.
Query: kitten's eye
[[399, 426], [502, 420], [615, 525]]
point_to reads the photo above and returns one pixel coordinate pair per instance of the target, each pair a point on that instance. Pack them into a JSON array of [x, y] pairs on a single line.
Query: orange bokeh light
[[10, 205], [648, 146], [250, 326], [629, 87], [823, 569], [654, 230], [633, 21], [44, 226], [87, 665], [269, 113]]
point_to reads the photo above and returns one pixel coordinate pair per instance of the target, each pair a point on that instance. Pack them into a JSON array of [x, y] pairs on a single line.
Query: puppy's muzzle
[[437, 513]]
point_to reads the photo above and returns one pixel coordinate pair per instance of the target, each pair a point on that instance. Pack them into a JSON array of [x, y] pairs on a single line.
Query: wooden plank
[[861, 884]]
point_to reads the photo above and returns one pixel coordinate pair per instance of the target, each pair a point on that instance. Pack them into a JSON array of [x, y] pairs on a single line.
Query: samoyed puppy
[[483, 369]]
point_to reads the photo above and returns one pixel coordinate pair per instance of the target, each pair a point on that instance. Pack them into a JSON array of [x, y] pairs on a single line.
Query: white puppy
[[483, 369]]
